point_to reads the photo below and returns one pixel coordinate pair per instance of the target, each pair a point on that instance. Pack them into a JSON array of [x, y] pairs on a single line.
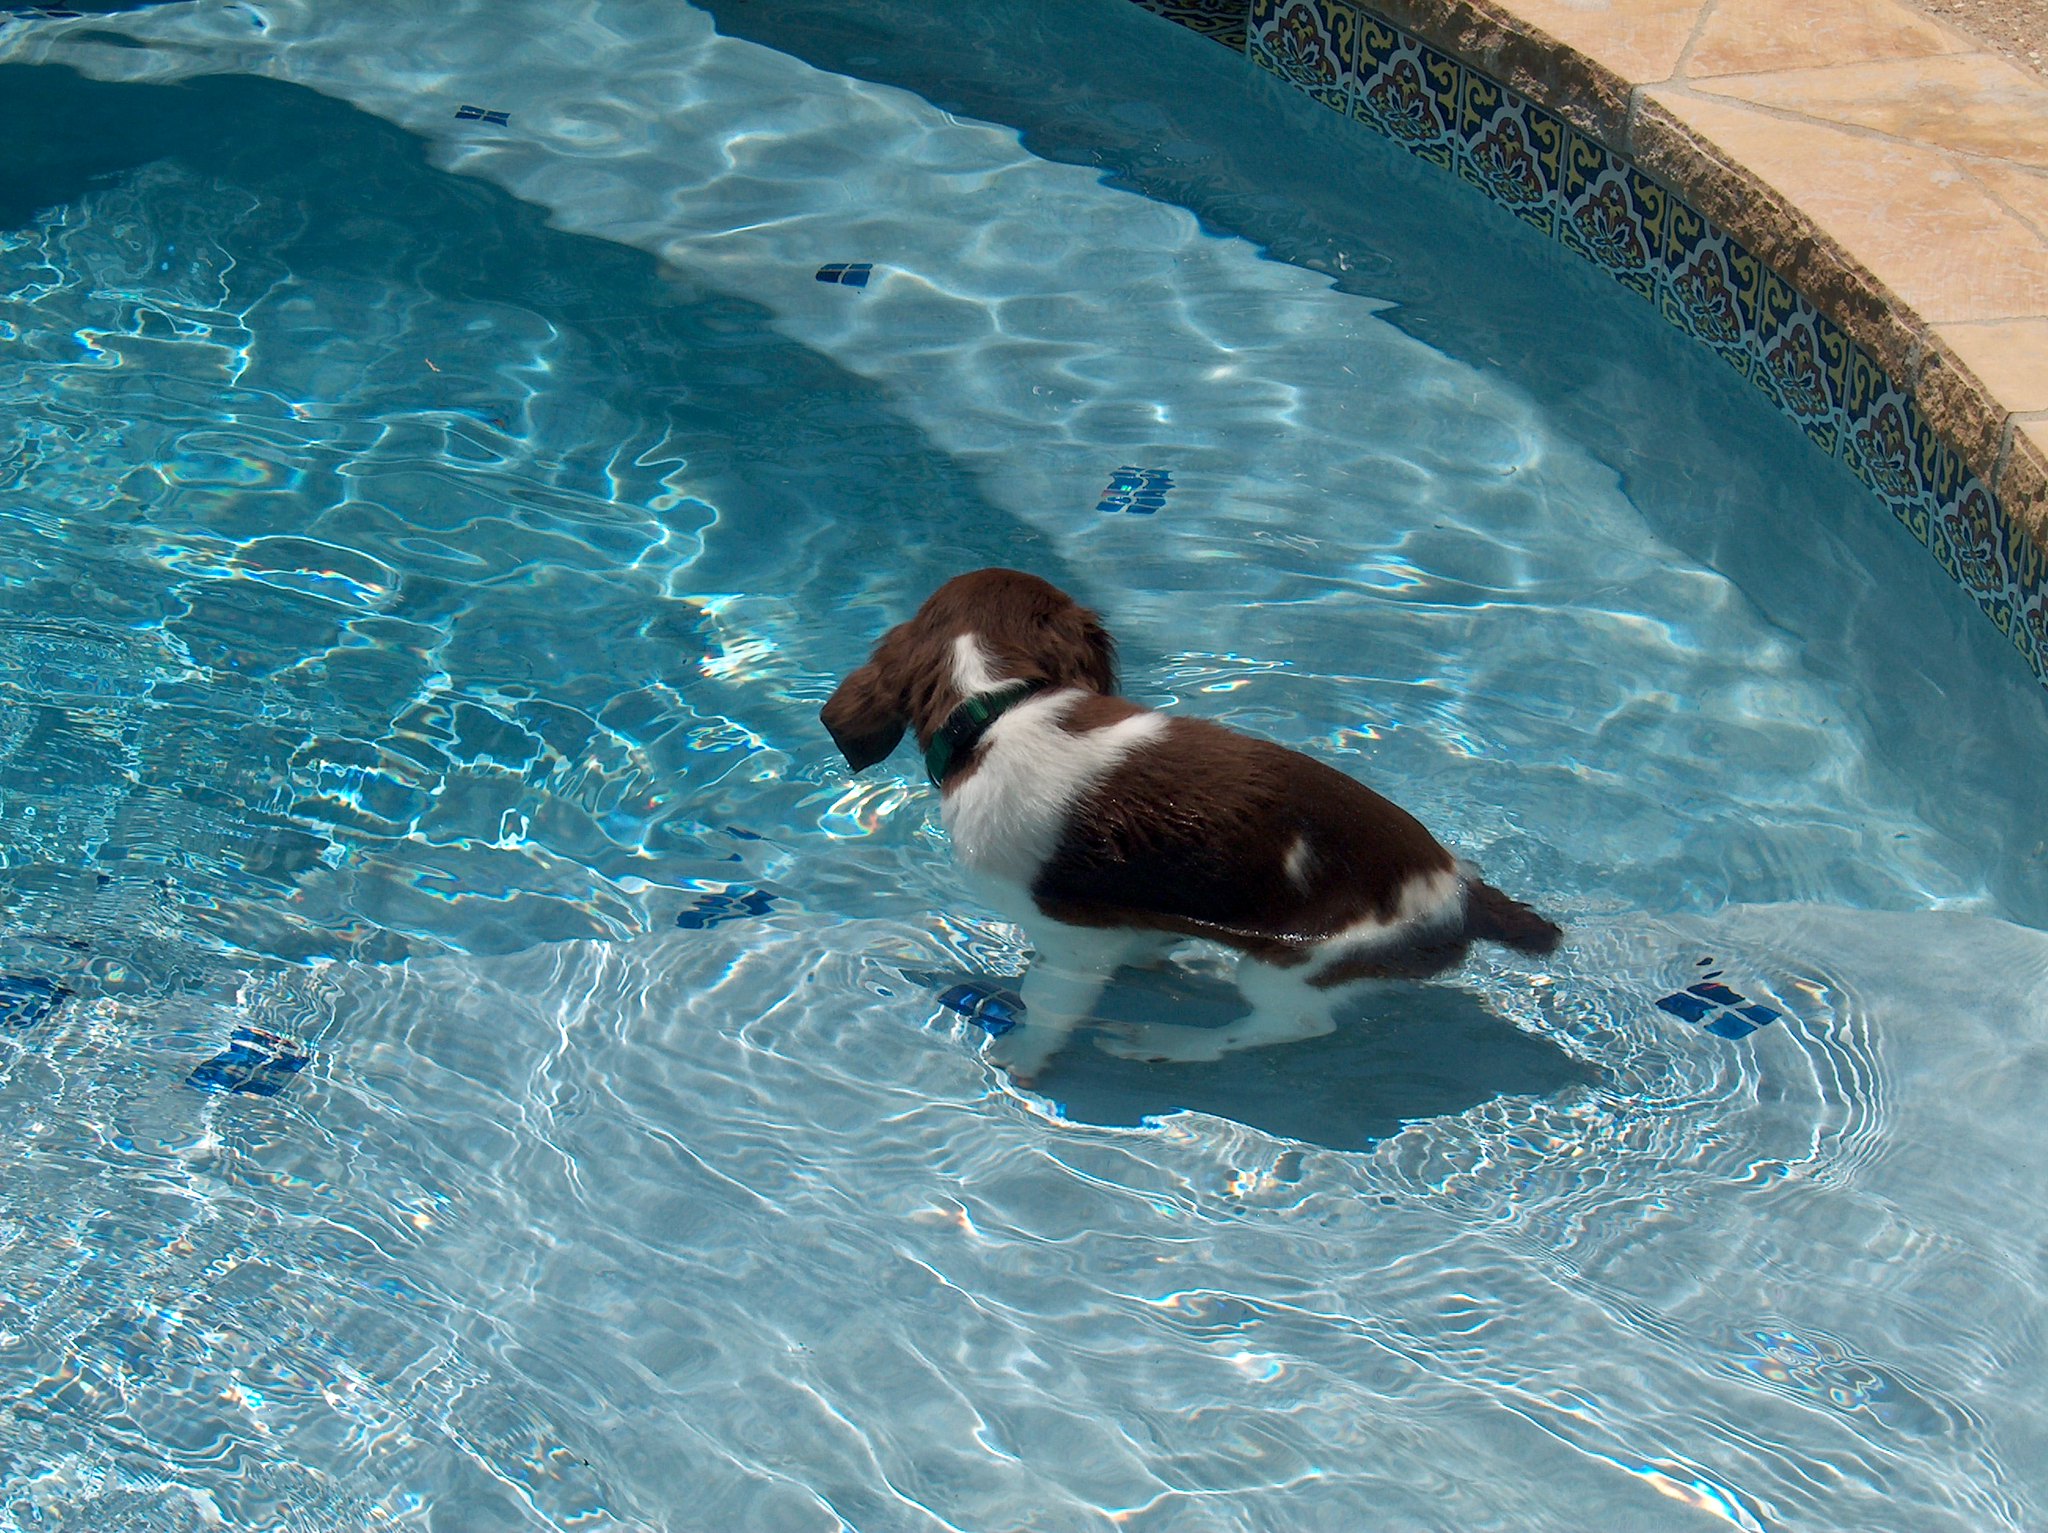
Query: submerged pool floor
[[471, 1056]]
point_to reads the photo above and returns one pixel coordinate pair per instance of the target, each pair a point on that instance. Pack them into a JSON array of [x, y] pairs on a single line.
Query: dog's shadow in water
[[1412, 1051]]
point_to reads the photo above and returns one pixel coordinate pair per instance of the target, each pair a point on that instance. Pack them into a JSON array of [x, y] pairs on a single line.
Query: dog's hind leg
[[1149, 950], [1071, 966], [1285, 1009]]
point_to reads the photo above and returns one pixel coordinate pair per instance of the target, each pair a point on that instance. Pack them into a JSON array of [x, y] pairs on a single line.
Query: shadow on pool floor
[[1410, 1052]]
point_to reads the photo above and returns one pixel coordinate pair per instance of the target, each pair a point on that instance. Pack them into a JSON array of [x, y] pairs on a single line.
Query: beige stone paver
[[1975, 103], [1744, 36], [2035, 429], [1914, 217], [1882, 159], [1643, 40], [2023, 190], [2009, 357]]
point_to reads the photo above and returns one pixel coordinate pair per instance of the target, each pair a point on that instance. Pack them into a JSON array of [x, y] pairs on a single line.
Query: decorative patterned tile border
[[1565, 182], [1220, 19]]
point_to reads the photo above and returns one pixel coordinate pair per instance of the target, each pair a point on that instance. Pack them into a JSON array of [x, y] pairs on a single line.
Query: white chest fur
[[1007, 815]]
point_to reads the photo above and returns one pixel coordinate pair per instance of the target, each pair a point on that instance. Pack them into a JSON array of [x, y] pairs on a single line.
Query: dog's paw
[[1022, 1052], [1162, 1043]]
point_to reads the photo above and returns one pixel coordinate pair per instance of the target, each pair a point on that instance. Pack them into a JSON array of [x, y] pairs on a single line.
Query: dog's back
[[1212, 833]]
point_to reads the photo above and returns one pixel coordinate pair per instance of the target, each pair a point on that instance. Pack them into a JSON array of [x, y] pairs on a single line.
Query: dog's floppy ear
[[865, 715], [1098, 648]]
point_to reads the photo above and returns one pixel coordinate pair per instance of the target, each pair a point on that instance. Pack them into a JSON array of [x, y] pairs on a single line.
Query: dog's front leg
[[1067, 973]]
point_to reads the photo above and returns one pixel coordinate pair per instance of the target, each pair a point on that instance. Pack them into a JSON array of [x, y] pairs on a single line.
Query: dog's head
[[1024, 628]]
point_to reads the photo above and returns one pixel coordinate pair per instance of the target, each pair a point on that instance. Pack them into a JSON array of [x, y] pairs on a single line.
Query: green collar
[[966, 724]]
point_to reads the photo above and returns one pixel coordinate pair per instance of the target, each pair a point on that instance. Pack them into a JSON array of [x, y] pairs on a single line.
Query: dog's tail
[[1492, 916]]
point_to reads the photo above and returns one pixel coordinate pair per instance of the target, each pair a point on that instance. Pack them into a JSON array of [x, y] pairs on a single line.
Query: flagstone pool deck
[[1888, 164], [1891, 166]]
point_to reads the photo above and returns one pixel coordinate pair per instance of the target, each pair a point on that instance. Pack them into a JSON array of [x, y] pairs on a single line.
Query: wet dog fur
[[1109, 831]]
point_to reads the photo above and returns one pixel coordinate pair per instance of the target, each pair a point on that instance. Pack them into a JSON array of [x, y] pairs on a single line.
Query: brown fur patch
[[1191, 833]]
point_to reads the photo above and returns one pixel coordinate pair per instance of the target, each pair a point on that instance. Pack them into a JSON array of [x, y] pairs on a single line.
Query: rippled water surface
[[424, 544]]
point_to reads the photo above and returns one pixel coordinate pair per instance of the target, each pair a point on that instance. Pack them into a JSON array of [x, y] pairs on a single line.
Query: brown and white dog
[[1108, 831]]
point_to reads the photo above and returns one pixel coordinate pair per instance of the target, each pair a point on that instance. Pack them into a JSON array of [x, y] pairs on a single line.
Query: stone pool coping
[[1888, 167]]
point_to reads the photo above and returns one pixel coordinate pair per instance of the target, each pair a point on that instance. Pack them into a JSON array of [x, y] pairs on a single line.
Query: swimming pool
[[428, 540]]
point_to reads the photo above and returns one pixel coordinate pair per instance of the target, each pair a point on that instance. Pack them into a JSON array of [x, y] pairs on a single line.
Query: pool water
[[471, 1056]]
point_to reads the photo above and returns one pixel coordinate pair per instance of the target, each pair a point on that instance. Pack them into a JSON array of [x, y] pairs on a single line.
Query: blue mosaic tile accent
[[1702, 279], [1138, 491], [847, 273], [994, 1011], [1715, 994], [1687, 1008], [255, 1063], [722, 905], [26, 999], [1728, 1025], [483, 114], [1716, 1008]]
